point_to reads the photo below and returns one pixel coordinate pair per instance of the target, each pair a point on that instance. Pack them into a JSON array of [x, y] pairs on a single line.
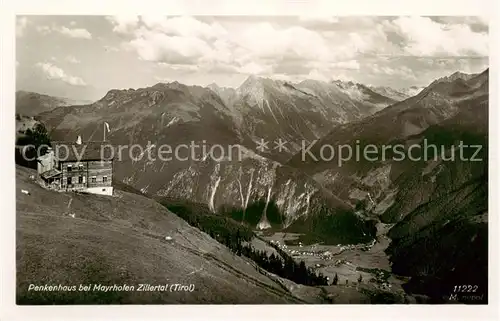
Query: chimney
[[79, 140]]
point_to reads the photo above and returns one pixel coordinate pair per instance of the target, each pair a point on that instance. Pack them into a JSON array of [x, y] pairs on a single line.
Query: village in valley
[[349, 264]]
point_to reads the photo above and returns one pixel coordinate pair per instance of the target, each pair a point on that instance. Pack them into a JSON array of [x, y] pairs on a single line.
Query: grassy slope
[[117, 240]]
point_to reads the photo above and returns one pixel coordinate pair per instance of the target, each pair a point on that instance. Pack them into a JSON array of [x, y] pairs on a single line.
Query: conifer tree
[[335, 279]]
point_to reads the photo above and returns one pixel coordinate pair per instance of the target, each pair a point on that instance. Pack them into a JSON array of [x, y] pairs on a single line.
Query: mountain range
[[397, 94], [260, 108], [436, 208], [31, 104], [438, 203]]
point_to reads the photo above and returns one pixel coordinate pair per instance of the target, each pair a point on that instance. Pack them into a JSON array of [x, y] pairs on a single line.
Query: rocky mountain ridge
[[176, 114], [31, 103]]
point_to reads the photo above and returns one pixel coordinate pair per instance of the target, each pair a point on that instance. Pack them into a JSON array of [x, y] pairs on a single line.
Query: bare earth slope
[[121, 240]]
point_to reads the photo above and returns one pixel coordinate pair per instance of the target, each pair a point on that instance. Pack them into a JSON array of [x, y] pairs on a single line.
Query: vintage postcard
[[214, 159]]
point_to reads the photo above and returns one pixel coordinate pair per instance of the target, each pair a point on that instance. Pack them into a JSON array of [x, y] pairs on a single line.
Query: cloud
[[319, 19], [110, 48], [21, 24], [476, 23], [159, 47], [317, 75], [342, 76], [425, 37], [159, 38], [178, 67], [74, 33], [401, 72], [451, 64], [177, 41], [123, 24], [253, 68], [53, 72], [351, 64], [260, 47], [318, 22], [44, 30], [263, 40], [324, 52], [164, 79], [174, 40], [72, 59], [183, 26], [68, 32], [318, 47]]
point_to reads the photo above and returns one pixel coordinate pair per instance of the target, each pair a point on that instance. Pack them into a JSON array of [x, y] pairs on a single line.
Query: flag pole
[[104, 130]]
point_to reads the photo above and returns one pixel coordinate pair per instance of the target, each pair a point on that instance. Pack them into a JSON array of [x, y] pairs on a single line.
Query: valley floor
[[348, 262]]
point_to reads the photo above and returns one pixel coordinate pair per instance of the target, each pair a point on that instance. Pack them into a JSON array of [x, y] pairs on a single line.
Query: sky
[[83, 57]]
